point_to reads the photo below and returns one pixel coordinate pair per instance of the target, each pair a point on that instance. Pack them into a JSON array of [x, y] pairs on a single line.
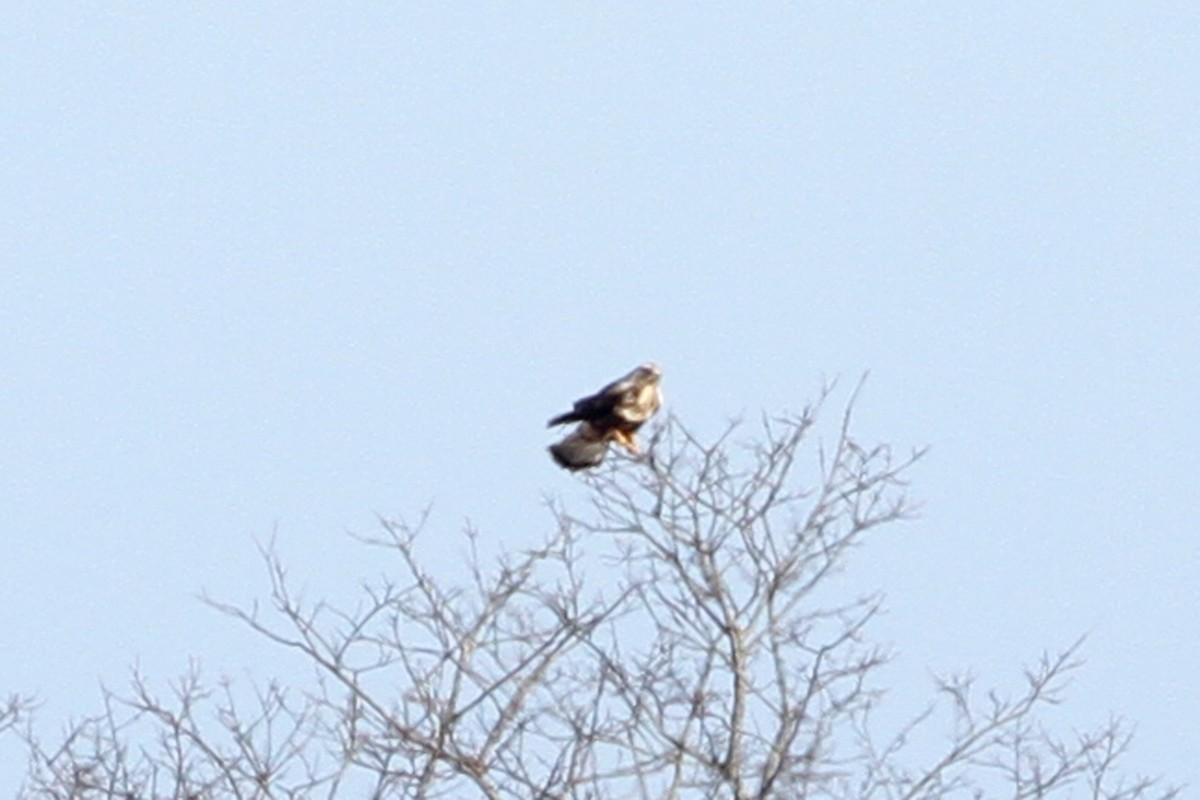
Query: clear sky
[[272, 268]]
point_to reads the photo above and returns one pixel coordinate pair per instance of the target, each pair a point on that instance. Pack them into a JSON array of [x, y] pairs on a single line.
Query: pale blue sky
[[276, 267]]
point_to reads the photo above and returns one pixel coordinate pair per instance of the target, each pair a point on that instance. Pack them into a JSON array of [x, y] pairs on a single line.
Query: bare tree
[[678, 638]]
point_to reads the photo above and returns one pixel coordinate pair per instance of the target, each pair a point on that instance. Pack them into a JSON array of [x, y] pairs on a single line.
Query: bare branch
[[679, 639]]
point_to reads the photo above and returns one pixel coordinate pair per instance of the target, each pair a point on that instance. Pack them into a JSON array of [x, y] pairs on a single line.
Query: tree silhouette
[[677, 638]]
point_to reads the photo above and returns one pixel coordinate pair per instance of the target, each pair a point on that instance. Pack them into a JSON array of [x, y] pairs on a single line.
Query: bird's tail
[[579, 451]]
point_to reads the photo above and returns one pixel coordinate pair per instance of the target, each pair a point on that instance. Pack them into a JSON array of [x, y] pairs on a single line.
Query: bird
[[612, 414]]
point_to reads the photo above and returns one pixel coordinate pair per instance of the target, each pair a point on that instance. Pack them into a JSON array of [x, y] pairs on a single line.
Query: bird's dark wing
[[591, 407]]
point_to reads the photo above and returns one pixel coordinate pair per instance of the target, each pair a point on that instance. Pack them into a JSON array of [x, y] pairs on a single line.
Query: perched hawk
[[612, 414]]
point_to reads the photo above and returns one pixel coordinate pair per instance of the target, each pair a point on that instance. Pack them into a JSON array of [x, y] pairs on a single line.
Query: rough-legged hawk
[[612, 414]]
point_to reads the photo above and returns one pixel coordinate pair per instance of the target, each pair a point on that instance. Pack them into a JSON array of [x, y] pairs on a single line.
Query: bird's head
[[648, 372]]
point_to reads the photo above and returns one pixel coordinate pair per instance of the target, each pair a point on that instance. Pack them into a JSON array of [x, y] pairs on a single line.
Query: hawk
[[612, 414]]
